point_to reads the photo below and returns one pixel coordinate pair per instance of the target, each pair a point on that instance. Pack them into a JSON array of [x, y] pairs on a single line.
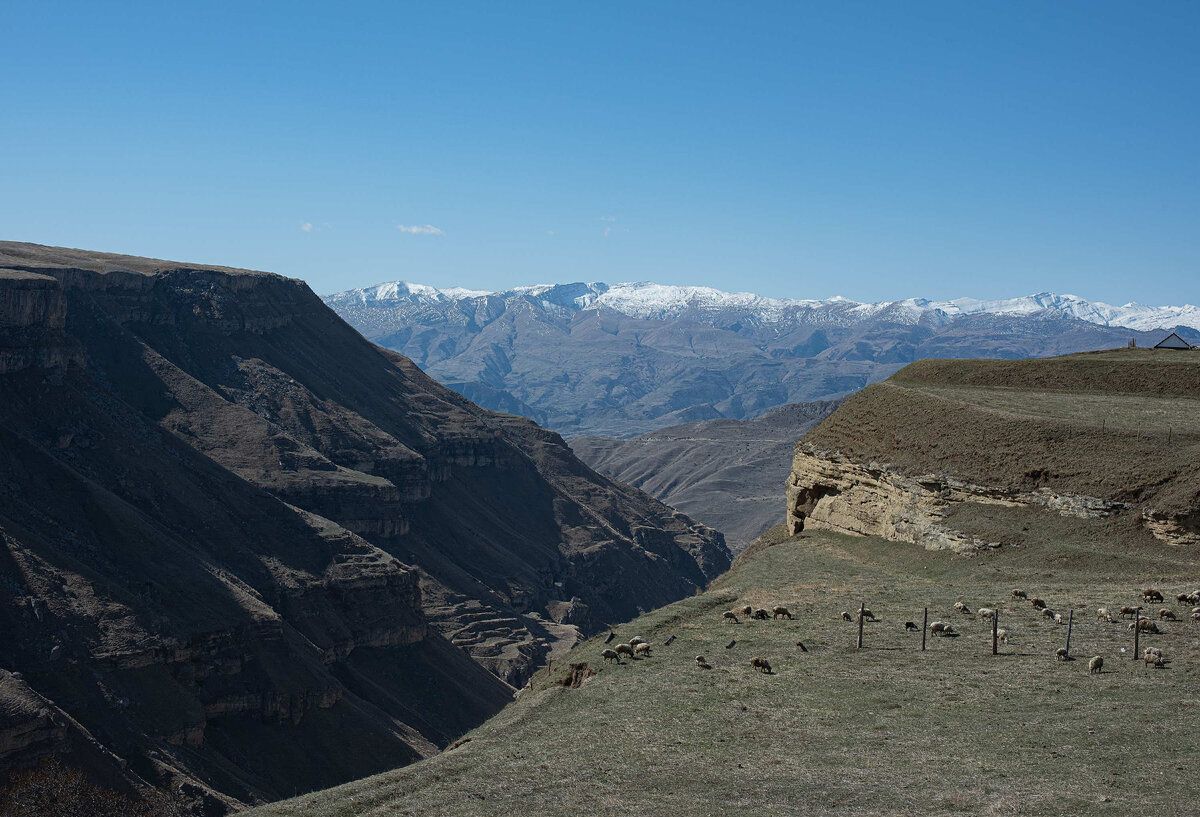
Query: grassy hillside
[[1121, 425], [884, 730]]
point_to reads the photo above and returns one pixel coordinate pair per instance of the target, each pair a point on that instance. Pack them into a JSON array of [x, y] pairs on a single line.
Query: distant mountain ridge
[[658, 301], [624, 359]]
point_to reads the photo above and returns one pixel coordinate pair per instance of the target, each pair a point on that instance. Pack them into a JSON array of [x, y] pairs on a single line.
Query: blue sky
[[871, 150]]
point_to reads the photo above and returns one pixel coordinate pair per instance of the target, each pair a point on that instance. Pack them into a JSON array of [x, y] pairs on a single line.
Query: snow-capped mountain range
[[661, 302], [621, 359]]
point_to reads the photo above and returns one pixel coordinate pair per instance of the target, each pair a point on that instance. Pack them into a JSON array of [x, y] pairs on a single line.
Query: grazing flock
[[638, 647]]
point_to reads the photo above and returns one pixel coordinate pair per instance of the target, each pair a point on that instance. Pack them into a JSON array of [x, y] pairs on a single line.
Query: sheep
[[1019, 594], [1096, 664], [1058, 619], [1128, 611], [1147, 626], [910, 627], [1061, 654], [940, 628], [1152, 651], [637, 639], [781, 612], [1152, 660], [747, 610], [729, 615], [611, 655], [867, 615], [624, 649], [962, 608], [761, 664], [1196, 609], [1038, 603], [1182, 598], [1194, 597], [1196, 616], [1166, 615], [761, 614], [1048, 613], [642, 649], [1150, 596], [1002, 635], [702, 662], [985, 612], [1102, 614], [846, 616]]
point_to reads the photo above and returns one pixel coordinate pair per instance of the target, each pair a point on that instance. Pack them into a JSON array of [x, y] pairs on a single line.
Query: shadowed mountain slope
[[248, 551], [725, 473]]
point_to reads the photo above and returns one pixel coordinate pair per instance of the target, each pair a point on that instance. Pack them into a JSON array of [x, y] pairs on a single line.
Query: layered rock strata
[[250, 552]]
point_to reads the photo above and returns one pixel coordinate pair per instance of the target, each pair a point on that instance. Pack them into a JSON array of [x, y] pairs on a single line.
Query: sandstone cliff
[[1087, 437], [246, 550]]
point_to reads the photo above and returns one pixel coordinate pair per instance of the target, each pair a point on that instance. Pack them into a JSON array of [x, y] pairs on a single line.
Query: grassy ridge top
[[1126, 371], [885, 730], [1121, 426]]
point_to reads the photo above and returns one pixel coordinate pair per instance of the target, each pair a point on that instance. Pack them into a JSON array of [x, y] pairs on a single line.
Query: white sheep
[[624, 649], [1002, 635], [986, 612], [1102, 614], [1058, 618], [1048, 613], [641, 649], [637, 639], [1166, 615], [962, 608], [1096, 664], [940, 628]]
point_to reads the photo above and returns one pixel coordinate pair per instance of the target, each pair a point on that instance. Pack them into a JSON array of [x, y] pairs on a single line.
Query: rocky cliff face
[[1106, 436], [246, 550], [827, 491]]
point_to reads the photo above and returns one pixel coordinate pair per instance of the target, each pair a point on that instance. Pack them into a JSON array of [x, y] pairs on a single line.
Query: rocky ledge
[[828, 491]]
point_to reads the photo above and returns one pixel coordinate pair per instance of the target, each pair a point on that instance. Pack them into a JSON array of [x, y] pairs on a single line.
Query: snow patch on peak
[[648, 300]]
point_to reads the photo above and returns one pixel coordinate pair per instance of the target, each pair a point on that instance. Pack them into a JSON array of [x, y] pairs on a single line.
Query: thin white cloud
[[419, 229], [307, 227], [609, 222]]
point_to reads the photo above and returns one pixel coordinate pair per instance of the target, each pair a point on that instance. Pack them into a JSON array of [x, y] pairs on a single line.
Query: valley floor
[[884, 730]]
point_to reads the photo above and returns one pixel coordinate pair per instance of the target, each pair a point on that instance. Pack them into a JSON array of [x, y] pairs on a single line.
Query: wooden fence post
[[1137, 631], [995, 623], [861, 607], [1070, 622], [924, 628]]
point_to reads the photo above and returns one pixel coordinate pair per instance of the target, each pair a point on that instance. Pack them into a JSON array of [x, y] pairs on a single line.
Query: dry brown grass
[[885, 730]]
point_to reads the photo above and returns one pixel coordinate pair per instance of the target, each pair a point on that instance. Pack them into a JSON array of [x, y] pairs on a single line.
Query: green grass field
[[883, 730]]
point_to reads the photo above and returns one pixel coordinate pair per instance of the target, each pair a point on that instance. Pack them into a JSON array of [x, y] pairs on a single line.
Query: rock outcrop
[[247, 551], [1100, 436], [827, 491]]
